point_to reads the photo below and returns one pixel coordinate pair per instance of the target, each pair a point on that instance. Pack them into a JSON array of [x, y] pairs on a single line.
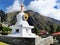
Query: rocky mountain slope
[[39, 21]]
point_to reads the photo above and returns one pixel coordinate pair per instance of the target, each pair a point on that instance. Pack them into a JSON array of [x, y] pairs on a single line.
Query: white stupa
[[22, 28]]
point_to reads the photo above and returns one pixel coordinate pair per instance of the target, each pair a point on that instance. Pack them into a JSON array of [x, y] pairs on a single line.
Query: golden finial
[[22, 6]]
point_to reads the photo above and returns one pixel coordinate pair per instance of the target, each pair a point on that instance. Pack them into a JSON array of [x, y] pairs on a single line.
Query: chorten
[[22, 28]]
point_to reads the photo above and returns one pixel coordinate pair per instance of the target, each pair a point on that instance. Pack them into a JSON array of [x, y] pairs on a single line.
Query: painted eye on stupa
[[25, 17]]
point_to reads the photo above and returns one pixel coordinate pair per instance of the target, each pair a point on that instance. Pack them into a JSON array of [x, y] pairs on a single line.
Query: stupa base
[[18, 40]]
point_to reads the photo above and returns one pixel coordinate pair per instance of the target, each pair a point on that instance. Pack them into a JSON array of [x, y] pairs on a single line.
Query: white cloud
[[45, 7], [14, 7], [56, 15]]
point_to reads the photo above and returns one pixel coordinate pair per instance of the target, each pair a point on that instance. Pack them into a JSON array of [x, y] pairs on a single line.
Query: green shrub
[[6, 30]]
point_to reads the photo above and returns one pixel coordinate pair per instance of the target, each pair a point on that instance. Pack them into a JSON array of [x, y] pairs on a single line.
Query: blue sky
[[6, 3], [57, 6]]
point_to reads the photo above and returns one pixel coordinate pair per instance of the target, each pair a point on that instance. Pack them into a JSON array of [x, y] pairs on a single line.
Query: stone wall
[[27, 41], [18, 40]]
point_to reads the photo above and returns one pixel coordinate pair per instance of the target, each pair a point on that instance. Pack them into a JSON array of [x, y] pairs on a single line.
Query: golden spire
[[22, 7]]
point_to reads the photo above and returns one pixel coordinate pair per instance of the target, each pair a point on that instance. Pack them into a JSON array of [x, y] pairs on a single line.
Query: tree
[[0, 26], [2, 15], [47, 28], [53, 27], [36, 29], [58, 28]]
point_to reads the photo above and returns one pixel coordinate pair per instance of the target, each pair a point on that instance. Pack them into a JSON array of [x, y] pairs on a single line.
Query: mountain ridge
[[37, 20]]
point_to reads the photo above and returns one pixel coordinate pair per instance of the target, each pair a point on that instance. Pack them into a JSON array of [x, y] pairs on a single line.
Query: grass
[[2, 43]]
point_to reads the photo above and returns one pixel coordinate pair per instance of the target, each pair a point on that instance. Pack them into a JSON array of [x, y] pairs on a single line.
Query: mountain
[[37, 20], [42, 22]]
